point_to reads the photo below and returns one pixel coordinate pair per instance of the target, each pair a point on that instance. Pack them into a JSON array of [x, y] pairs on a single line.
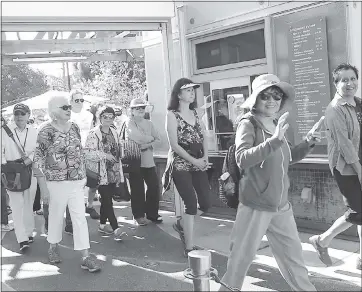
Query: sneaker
[[178, 228], [24, 245], [31, 239], [118, 234], [53, 255], [158, 220], [142, 221], [321, 251], [186, 251], [92, 212], [40, 212], [359, 264], [106, 229], [68, 229], [6, 227], [90, 264]]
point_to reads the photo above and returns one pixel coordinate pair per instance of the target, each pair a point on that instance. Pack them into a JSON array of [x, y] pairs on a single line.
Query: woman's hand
[[282, 127], [314, 135], [110, 158], [200, 163]]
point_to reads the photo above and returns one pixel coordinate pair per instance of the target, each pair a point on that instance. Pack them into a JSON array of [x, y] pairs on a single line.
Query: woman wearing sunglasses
[[103, 159], [264, 153], [144, 133], [59, 155]]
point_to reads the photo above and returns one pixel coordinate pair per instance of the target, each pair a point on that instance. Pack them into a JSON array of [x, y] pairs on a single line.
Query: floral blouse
[[186, 134], [60, 155], [110, 146]]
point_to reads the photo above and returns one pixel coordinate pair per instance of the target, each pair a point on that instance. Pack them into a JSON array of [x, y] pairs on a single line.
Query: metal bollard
[[200, 268]]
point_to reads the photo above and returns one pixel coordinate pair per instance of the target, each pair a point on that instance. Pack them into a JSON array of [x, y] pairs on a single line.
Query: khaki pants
[[22, 206], [281, 230], [63, 193]]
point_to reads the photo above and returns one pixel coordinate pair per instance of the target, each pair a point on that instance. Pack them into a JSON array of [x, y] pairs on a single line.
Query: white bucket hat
[[265, 81]]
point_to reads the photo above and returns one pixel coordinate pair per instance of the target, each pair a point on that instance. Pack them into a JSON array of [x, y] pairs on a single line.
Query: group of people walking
[[262, 151]]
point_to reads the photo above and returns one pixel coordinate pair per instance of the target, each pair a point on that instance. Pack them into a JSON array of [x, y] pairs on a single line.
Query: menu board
[[309, 72]]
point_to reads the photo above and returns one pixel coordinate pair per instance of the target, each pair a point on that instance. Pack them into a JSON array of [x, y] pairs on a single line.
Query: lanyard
[[26, 136]]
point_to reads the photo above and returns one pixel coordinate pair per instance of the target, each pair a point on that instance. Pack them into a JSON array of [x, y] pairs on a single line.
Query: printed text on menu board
[[308, 63]]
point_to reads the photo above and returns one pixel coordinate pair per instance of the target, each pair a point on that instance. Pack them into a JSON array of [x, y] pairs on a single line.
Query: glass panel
[[233, 49], [226, 107]]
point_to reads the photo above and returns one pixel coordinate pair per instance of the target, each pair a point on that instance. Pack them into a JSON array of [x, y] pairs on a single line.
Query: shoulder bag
[[130, 153], [16, 175]]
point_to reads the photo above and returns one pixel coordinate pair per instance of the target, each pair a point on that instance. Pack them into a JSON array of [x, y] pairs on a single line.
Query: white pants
[[280, 228], [63, 193], [22, 206]]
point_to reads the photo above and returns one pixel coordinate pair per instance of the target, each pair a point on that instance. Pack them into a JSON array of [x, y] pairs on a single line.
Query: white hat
[[265, 81], [188, 85]]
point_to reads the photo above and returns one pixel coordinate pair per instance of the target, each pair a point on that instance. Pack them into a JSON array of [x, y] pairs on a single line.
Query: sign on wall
[[309, 72]]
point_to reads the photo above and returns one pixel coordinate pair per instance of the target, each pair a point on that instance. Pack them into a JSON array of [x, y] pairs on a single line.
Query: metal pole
[[200, 265]]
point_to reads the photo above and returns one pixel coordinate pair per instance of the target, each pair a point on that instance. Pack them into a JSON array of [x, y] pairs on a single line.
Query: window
[[238, 48]]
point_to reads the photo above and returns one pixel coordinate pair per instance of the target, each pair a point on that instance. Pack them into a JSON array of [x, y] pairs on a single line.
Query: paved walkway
[[150, 259]]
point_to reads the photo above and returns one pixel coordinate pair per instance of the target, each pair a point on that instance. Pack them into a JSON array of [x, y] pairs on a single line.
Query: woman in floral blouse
[[103, 160], [189, 157], [59, 156]]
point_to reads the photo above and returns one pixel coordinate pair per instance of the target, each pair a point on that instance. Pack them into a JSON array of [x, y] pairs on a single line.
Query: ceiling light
[[20, 60]]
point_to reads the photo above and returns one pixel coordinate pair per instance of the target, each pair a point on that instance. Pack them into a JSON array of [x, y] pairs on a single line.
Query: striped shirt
[[343, 134]]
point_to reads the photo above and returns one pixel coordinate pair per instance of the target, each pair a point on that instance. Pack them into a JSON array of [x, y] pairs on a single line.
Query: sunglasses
[[19, 113], [79, 100], [108, 117], [266, 97], [139, 108], [66, 107]]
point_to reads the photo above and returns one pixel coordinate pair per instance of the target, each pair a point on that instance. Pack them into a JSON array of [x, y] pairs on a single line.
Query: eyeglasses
[[79, 100], [108, 117], [139, 108], [276, 97], [17, 113], [66, 107]]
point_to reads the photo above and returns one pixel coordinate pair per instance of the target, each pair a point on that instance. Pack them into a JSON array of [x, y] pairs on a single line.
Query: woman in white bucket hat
[[265, 155]]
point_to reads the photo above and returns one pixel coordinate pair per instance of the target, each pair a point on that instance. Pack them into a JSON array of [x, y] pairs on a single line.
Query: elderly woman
[[264, 153], [343, 123], [188, 157], [144, 133], [103, 160], [59, 155]]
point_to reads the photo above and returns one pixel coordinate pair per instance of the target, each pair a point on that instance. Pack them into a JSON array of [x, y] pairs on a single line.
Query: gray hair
[[74, 92], [53, 106]]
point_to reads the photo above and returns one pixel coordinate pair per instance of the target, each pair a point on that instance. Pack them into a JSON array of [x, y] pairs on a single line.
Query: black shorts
[[92, 183], [351, 189]]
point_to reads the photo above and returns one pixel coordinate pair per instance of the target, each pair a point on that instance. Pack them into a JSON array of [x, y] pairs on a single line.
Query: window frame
[[221, 35]]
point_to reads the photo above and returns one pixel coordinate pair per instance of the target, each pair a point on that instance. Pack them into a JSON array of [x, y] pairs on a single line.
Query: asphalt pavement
[[148, 259]]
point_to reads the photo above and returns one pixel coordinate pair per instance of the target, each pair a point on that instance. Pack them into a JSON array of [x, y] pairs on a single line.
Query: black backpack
[[231, 175]]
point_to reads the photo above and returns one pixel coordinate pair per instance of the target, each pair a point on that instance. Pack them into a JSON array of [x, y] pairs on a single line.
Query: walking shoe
[[90, 264], [68, 229], [24, 245], [53, 255], [158, 220], [106, 229], [39, 212], [178, 228], [92, 212], [321, 251], [6, 227], [118, 234], [31, 239], [142, 221], [186, 251], [359, 264]]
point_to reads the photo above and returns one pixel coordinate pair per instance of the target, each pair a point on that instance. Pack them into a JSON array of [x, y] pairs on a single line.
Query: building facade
[[224, 46]]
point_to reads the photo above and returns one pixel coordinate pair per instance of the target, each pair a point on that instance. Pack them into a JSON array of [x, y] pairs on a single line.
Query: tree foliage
[[118, 82], [19, 82]]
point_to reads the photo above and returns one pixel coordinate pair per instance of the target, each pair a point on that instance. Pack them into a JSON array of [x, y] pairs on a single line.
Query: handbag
[[16, 175], [130, 153], [122, 193]]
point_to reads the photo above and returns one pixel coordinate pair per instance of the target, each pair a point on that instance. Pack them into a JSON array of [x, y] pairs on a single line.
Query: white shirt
[[84, 120], [26, 138]]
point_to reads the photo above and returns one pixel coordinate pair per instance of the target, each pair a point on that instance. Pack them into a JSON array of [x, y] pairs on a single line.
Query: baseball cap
[[21, 107]]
